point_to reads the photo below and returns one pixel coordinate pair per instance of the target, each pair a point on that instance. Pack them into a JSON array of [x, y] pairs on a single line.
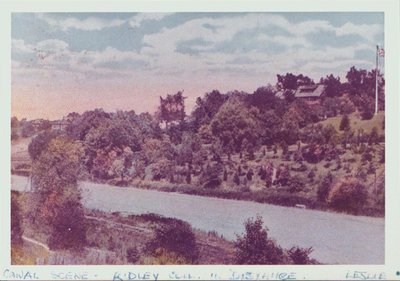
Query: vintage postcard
[[249, 141]]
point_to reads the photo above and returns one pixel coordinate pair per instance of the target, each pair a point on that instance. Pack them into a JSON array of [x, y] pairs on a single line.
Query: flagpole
[[376, 81]]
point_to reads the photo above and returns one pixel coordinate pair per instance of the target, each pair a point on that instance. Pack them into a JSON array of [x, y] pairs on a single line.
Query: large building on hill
[[311, 94]]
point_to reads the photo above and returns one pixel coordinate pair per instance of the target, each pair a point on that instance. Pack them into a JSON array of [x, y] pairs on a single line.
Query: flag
[[381, 52]]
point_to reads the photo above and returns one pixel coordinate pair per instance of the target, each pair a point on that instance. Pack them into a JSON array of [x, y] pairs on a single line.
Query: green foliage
[[300, 255], [232, 124], [210, 177], [14, 135], [132, 255], [172, 108], [296, 184], [325, 187], [175, 237], [69, 227], [254, 246], [40, 144], [344, 123], [348, 195], [27, 129], [57, 197], [16, 220], [332, 85], [14, 122], [207, 107]]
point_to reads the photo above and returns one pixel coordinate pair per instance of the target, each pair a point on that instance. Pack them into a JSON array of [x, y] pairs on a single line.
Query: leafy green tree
[[55, 184], [172, 108], [177, 237], [332, 85], [207, 107], [325, 187], [254, 246], [348, 195], [40, 143], [16, 221], [232, 124], [300, 255], [69, 228]]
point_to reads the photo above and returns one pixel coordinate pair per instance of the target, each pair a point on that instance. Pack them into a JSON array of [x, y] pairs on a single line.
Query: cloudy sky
[[63, 62]]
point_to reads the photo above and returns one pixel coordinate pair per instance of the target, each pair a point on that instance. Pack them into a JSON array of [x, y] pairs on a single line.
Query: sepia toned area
[[195, 138]]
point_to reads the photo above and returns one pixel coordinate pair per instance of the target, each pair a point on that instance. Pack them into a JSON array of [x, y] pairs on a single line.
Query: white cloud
[[19, 46], [137, 20], [87, 24], [51, 46], [368, 31]]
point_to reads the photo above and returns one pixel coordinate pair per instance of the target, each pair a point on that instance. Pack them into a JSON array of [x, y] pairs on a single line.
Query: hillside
[[357, 123]]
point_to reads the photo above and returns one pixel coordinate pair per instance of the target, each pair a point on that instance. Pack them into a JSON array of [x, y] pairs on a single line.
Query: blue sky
[[78, 61]]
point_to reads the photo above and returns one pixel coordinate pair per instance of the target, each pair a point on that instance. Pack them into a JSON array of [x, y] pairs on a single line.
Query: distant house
[[59, 125], [311, 94]]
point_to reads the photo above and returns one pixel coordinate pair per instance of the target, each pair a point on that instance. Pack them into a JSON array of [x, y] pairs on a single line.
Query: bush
[[254, 247], [132, 255], [300, 255], [344, 123], [325, 187], [296, 184], [210, 177], [177, 238], [348, 195], [16, 230], [69, 227]]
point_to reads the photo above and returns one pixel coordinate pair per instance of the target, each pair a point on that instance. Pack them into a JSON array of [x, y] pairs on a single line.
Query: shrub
[[325, 187], [300, 255], [69, 227], [296, 184], [348, 195], [254, 247], [132, 255], [344, 123], [210, 177], [16, 230], [175, 237]]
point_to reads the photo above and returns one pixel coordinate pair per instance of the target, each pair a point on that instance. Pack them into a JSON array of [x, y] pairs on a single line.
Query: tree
[[16, 230], [69, 228], [27, 129], [232, 124], [300, 255], [254, 246], [332, 85], [14, 122], [40, 143], [348, 195], [291, 81], [263, 98], [207, 107], [325, 187], [177, 237], [172, 108], [344, 123], [57, 197]]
